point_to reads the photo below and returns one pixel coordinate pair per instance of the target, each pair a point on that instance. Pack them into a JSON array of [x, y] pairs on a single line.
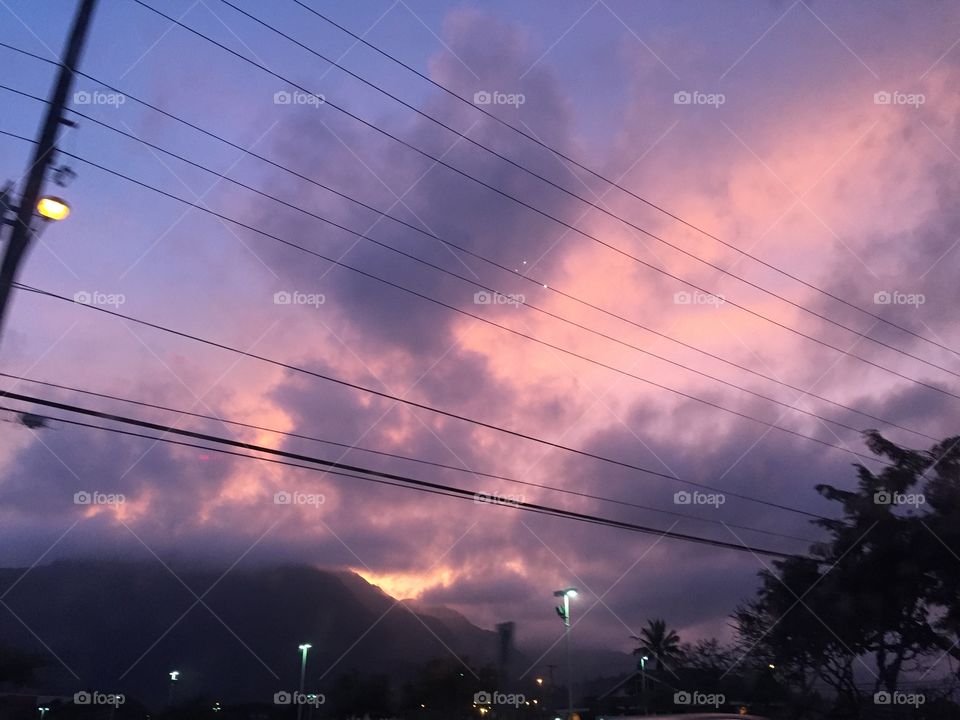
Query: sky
[[820, 139]]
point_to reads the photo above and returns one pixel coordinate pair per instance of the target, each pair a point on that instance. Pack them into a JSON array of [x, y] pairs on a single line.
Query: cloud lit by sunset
[[703, 250]]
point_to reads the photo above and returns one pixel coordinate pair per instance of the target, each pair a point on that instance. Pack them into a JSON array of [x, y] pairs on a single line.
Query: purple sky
[[799, 165]]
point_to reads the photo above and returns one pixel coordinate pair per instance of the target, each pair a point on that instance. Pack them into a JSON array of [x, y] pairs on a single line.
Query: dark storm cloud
[[494, 561]]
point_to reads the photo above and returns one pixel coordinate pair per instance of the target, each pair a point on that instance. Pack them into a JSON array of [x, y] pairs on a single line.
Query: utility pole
[[43, 155]]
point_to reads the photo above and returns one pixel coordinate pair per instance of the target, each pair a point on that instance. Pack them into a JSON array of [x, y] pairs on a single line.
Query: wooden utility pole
[[22, 232]]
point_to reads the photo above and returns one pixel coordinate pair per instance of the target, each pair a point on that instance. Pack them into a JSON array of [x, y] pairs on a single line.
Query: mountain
[[118, 627]]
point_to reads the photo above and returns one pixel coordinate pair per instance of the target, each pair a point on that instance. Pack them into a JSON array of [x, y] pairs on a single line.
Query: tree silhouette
[[658, 643], [882, 592]]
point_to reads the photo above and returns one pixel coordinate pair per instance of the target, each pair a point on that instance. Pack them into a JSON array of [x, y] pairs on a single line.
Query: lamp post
[[643, 682], [303, 673], [174, 675], [43, 711], [564, 613]]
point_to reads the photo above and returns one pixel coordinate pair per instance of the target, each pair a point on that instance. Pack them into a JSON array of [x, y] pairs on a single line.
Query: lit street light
[[43, 711], [564, 613], [174, 675], [643, 677], [303, 673], [53, 208]]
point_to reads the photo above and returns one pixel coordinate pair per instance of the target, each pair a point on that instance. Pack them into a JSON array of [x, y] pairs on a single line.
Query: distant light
[[175, 675], [772, 666], [539, 681], [53, 208], [305, 646]]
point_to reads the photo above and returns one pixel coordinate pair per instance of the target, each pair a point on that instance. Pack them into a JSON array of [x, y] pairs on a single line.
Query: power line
[[357, 470], [467, 251], [531, 306], [505, 328], [608, 181], [565, 157], [395, 456], [420, 406], [480, 285], [545, 214]]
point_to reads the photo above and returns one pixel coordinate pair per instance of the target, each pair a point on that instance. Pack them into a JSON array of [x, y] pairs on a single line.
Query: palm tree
[[659, 644]]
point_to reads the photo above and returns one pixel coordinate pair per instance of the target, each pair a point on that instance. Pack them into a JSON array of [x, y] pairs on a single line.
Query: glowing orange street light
[[53, 208]]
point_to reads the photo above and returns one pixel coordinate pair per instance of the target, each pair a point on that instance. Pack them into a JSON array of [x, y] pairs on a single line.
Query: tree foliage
[[880, 596], [659, 643]]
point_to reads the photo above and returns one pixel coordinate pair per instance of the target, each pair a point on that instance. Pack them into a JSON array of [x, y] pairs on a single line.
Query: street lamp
[[643, 678], [564, 612], [53, 208], [43, 711], [174, 675], [303, 672]]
